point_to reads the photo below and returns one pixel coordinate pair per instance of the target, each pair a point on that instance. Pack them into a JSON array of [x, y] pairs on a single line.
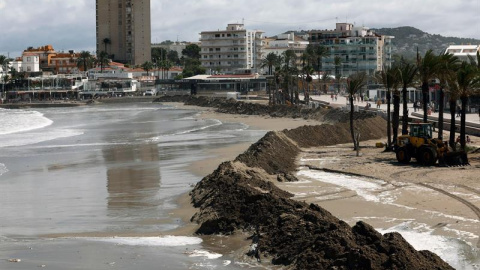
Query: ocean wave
[[22, 139], [163, 241], [421, 237], [3, 169], [15, 121]]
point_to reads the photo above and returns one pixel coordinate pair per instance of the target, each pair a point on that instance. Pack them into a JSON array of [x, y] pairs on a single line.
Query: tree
[[468, 80], [395, 78], [269, 61], [85, 60], [191, 51], [167, 65], [384, 77], [317, 52], [448, 64], [102, 60], [406, 73], [289, 68], [354, 83], [106, 42], [172, 56], [338, 63], [3, 64], [147, 66], [427, 70]]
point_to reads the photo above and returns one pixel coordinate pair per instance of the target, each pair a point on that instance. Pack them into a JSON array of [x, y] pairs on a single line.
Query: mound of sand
[[241, 195]]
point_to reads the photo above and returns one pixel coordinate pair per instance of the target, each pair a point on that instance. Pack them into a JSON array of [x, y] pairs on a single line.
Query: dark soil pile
[[232, 106], [288, 232], [240, 195]]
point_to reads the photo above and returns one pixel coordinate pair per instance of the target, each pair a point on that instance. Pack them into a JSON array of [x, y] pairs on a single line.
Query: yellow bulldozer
[[420, 144]]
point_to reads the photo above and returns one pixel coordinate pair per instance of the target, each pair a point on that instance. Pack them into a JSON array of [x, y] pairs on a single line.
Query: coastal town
[[305, 149]]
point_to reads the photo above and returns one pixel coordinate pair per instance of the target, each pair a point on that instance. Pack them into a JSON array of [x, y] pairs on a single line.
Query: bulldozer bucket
[[458, 158]]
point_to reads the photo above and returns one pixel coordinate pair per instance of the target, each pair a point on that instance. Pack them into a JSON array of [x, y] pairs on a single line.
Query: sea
[[75, 182]]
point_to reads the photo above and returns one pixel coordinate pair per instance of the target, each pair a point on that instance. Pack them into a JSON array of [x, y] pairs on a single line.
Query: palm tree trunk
[[396, 116], [425, 101], [464, 100], [440, 114], [405, 112], [389, 130], [352, 133], [451, 140]]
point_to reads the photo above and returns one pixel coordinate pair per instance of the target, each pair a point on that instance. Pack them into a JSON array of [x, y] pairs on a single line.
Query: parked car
[[150, 92]]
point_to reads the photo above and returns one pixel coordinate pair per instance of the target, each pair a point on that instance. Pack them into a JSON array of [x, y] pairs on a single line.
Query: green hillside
[[407, 39]]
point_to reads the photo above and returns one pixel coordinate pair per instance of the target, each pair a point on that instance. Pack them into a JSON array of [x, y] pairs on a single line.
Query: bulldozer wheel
[[403, 156], [428, 156]]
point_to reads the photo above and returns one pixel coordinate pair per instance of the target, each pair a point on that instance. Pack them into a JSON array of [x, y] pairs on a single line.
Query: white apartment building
[[359, 48], [29, 62], [463, 51], [282, 43], [233, 50]]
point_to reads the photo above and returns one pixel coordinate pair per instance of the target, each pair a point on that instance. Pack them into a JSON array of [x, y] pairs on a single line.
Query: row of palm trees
[[285, 70], [458, 79]]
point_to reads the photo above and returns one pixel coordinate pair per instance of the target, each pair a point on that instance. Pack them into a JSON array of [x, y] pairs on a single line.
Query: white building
[[463, 51], [359, 49], [282, 43], [233, 50], [29, 62]]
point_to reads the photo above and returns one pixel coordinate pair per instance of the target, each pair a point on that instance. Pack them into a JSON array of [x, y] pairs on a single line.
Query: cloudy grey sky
[[70, 24]]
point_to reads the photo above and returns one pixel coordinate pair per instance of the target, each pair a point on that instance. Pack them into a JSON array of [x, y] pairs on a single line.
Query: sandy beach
[[437, 201]]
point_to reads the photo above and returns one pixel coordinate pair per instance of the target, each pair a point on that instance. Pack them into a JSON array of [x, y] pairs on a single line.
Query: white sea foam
[[164, 241], [14, 121], [3, 169], [363, 188], [33, 137], [453, 251], [203, 253]]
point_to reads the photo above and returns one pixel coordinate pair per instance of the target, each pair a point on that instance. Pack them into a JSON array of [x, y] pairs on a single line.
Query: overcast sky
[[70, 24]]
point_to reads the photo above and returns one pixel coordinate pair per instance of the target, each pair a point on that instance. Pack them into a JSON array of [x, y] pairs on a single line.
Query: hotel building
[[124, 30], [233, 50], [359, 48]]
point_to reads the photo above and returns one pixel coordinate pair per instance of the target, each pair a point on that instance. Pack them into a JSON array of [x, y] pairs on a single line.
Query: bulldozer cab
[[421, 130]]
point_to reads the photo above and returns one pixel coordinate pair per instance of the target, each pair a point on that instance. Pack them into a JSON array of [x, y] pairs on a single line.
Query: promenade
[[472, 119]]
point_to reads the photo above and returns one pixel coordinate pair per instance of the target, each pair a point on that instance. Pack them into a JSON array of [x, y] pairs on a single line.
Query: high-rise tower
[[123, 30]]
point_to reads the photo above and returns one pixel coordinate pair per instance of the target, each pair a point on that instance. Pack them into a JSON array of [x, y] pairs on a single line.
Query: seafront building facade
[[464, 51], [233, 50], [124, 30], [358, 48], [283, 42]]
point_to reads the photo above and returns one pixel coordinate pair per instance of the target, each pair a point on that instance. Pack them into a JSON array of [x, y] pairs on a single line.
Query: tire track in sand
[[470, 205]]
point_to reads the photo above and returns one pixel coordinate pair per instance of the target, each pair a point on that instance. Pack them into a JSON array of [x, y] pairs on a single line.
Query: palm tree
[[453, 94], [384, 77], [406, 73], [3, 64], [468, 79], [448, 64], [338, 62], [289, 67], [394, 76], [102, 60], [167, 65], [317, 52], [85, 60], [427, 69], [354, 83], [269, 61], [106, 42], [147, 66]]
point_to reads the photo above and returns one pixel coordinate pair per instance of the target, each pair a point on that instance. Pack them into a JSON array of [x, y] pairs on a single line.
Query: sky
[[70, 24]]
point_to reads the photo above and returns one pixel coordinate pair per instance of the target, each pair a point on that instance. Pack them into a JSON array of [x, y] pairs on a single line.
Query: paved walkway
[[472, 119]]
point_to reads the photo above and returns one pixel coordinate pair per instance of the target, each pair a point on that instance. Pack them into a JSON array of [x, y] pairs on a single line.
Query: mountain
[[407, 39]]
